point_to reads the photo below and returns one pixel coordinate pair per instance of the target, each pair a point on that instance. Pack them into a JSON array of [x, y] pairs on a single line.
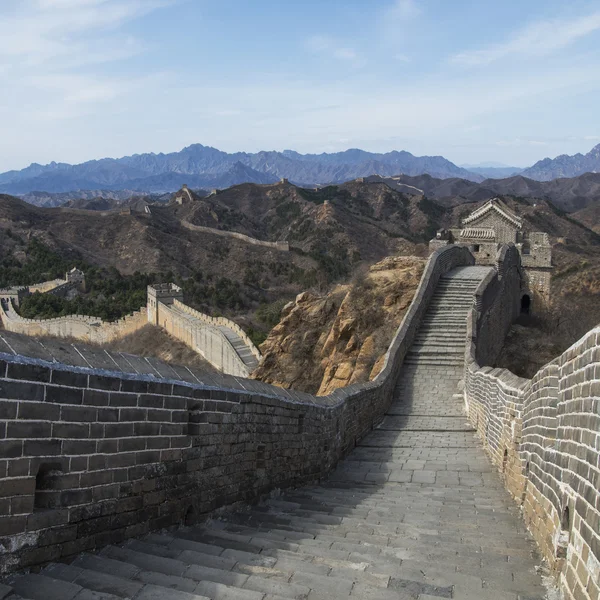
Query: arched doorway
[[525, 304]]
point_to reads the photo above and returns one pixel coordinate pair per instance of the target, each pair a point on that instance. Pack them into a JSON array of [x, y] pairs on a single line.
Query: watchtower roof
[[480, 233], [494, 205]]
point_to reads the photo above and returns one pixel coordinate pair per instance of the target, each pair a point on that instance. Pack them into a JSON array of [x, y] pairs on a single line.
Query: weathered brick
[[64, 395], [40, 411], [17, 390], [69, 378], [28, 372]]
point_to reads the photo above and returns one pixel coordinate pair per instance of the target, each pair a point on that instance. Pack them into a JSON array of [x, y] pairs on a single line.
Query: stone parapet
[[93, 457], [220, 322], [80, 327], [543, 435]]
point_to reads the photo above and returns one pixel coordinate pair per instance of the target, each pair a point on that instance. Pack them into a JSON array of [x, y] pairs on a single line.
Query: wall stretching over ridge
[[91, 457], [544, 436], [47, 286], [205, 339], [220, 322], [80, 327], [283, 246]]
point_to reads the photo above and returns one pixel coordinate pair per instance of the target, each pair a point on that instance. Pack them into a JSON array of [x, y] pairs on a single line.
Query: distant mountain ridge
[[565, 166], [568, 194], [204, 167]]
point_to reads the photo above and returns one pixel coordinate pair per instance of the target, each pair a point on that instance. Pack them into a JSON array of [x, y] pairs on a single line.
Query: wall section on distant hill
[[80, 327]]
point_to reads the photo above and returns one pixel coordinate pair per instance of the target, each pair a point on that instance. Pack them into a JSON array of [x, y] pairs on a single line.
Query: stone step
[[432, 337], [430, 360]]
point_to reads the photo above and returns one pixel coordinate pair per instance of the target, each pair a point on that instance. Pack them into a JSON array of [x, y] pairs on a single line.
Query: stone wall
[[543, 435], [498, 302], [220, 322], [284, 246], [205, 339], [47, 286], [91, 458], [80, 327]]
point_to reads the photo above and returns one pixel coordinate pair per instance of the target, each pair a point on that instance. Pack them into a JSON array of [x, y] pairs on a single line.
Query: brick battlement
[[543, 435], [92, 457], [95, 457]]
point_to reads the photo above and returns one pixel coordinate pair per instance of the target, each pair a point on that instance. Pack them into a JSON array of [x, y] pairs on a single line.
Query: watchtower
[[77, 278], [166, 293]]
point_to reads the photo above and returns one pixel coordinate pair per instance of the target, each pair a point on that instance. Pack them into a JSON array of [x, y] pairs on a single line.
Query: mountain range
[[565, 166], [205, 167], [568, 194]]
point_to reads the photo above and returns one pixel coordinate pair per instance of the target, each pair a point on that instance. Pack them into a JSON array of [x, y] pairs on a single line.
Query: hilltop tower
[[76, 277], [494, 224], [166, 293]]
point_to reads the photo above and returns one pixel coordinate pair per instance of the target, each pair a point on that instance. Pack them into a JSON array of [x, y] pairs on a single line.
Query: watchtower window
[[476, 248], [525, 304]]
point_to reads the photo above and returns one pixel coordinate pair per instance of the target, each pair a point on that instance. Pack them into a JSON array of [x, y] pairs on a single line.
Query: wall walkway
[[414, 511]]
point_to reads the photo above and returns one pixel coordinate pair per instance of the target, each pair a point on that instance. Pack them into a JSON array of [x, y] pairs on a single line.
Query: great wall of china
[[220, 341], [93, 456]]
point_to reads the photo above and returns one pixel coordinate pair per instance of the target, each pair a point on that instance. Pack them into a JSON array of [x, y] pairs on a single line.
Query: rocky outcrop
[[327, 342]]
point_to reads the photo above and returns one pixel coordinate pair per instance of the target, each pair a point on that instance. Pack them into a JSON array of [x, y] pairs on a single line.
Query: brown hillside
[[326, 342]]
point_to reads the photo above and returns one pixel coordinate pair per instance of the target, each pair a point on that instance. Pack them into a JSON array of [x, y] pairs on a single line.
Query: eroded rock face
[[326, 342]]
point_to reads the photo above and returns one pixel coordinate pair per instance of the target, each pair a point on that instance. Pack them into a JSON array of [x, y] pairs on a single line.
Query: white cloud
[[329, 46], [536, 40], [48, 32]]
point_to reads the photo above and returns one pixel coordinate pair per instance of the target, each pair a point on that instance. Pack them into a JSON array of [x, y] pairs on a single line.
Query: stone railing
[[283, 246], [220, 322], [94, 457], [79, 327], [543, 435], [207, 340]]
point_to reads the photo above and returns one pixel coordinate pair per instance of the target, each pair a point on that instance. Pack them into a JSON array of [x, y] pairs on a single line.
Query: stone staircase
[[442, 335], [414, 512], [241, 348], [239, 345]]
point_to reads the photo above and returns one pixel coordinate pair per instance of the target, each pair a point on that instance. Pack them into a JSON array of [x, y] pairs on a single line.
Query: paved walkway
[[415, 512]]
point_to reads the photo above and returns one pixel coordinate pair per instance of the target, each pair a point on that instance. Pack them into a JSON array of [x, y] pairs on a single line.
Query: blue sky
[[473, 80]]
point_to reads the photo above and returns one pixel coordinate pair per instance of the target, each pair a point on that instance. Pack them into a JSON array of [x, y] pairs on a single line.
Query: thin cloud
[[536, 40], [47, 32], [328, 46]]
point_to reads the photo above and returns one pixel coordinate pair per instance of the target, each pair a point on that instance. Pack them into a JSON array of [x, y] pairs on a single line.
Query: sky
[[472, 80]]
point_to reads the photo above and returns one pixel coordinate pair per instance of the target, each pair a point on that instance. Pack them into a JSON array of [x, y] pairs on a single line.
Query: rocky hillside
[[326, 342]]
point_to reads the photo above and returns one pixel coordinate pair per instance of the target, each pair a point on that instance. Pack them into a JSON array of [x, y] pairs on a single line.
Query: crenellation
[[549, 430]]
